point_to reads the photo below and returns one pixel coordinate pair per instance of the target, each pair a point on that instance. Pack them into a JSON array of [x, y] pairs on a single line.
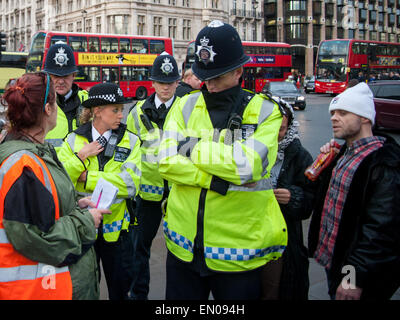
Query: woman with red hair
[[46, 234]]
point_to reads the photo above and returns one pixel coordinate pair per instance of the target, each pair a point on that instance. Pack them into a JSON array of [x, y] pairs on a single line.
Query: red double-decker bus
[[270, 61], [122, 59], [340, 60]]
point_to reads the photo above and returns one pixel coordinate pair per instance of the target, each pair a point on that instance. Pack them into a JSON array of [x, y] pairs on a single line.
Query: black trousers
[[117, 260], [149, 216], [184, 283]]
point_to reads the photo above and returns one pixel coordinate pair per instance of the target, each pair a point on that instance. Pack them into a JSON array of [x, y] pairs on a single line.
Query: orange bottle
[[320, 163]]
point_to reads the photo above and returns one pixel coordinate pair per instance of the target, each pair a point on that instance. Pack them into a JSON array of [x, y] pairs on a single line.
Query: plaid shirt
[[335, 199]]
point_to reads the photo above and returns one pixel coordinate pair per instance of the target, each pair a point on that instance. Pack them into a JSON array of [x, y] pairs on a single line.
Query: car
[[387, 103], [309, 84], [286, 90]]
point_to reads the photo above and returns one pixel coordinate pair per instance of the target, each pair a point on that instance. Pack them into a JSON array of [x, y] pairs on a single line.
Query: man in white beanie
[[355, 228]]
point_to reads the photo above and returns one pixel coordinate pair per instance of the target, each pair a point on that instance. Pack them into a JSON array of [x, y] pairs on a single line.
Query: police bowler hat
[[60, 60], [164, 69], [104, 94], [218, 51]]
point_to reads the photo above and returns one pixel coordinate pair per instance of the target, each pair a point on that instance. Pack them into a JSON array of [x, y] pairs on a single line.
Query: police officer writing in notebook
[[146, 120]]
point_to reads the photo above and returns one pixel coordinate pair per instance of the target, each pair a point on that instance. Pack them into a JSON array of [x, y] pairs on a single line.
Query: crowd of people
[[222, 169]]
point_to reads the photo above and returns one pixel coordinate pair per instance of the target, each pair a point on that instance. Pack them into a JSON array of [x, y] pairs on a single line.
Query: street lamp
[[84, 14]]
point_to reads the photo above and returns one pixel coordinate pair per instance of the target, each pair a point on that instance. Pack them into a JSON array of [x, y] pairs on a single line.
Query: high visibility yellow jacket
[[63, 127], [123, 170], [244, 228], [151, 183]]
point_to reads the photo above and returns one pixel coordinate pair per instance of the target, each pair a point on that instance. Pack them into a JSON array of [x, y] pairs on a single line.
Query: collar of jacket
[[85, 130], [69, 104], [149, 107], [221, 99]]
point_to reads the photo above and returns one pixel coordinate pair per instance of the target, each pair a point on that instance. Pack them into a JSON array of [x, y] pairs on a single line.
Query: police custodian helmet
[[164, 69], [60, 60], [218, 50]]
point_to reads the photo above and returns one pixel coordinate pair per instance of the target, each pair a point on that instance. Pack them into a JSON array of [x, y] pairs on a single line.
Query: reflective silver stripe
[[261, 149], [3, 236], [262, 185], [129, 183], [243, 166], [169, 152], [134, 113], [132, 140], [133, 167], [14, 158], [189, 106], [29, 272], [55, 142], [173, 135], [266, 109], [71, 141]]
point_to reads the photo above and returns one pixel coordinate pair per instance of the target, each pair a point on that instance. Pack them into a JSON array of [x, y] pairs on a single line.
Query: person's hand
[[90, 149], [83, 176], [282, 195], [86, 202], [97, 215], [348, 293], [326, 148]]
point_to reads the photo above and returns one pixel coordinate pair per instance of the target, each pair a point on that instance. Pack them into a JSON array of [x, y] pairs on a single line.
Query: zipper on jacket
[[199, 240]]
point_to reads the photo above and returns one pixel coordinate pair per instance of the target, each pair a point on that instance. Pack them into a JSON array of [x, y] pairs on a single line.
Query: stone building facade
[[178, 19]]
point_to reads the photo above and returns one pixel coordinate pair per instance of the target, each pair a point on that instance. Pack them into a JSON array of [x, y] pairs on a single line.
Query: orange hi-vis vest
[[20, 277]]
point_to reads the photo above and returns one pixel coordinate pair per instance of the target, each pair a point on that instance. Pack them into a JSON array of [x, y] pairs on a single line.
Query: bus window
[[94, 44], [55, 39], [88, 74], [139, 46], [140, 73], [124, 45], [381, 50], [38, 42], [110, 74], [356, 48], [157, 46], [126, 73], [78, 43], [109, 45]]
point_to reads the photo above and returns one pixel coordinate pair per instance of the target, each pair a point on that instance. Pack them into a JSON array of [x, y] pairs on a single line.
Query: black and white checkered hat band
[[107, 97]]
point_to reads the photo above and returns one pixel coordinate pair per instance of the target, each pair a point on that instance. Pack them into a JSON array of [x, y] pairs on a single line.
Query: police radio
[[110, 147], [146, 121]]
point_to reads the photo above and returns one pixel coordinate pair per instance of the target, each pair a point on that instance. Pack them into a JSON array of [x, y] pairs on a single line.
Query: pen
[[98, 200]]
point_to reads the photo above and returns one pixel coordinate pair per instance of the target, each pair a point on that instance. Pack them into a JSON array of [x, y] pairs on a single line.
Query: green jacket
[[67, 241]]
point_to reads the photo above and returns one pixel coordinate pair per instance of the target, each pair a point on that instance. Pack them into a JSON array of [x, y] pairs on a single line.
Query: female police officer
[[222, 221], [103, 148]]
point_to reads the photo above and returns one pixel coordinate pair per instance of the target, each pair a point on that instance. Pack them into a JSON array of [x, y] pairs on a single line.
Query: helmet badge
[[166, 66], [61, 57], [205, 52]]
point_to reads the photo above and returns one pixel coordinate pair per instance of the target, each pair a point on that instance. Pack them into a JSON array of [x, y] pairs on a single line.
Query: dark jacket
[[294, 280], [369, 231], [182, 89]]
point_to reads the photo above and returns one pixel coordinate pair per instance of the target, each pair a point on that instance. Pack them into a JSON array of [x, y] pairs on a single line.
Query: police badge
[[205, 52], [61, 57], [166, 66]]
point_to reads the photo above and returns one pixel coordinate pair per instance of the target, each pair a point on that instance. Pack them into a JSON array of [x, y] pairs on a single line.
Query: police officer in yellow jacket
[[60, 64], [222, 221], [104, 148], [146, 119]]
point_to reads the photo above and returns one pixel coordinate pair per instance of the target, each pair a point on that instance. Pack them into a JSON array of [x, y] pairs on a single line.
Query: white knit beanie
[[358, 99]]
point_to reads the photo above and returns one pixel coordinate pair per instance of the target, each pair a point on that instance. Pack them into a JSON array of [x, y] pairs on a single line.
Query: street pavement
[[315, 130]]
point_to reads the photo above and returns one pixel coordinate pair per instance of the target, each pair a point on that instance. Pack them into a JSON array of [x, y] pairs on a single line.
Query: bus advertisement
[[270, 61], [122, 59], [340, 60]]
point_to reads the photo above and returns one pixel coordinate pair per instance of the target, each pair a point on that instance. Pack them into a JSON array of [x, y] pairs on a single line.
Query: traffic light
[[3, 41]]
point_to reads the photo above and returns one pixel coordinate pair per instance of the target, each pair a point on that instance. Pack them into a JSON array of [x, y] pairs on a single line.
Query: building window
[[172, 27], [172, 2], [187, 29], [141, 25], [157, 25], [120, 24], [271, 34], [185, 3], [98, 24], [214, 4]]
